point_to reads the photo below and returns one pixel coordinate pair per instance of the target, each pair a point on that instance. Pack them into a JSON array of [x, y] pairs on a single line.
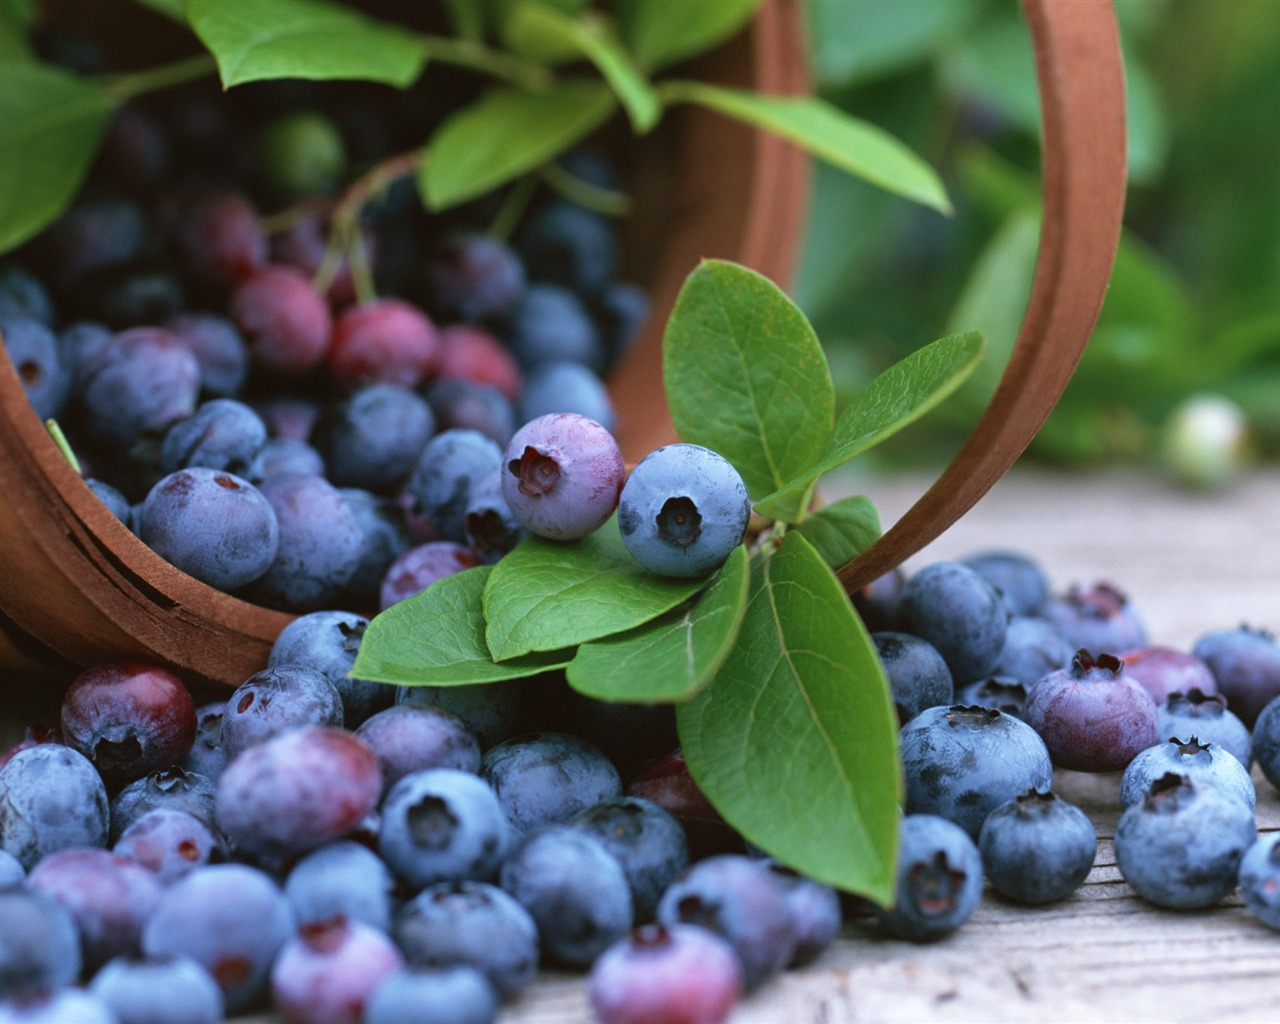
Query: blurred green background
[[1194, 302]]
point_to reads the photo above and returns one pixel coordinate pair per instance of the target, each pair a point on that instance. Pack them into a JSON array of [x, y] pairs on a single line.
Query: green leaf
[[261, 39], [841, 531], [898, 396], [506, 133], [672, 657], [536, 29], [467, 18], [745, 375], [794, 741], [436, 638], [547, 594], [827, 132], [50, 125], [175, 10], [15, 17], [660, 33]]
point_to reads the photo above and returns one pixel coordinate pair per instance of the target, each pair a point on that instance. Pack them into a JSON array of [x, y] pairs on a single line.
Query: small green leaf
[[50, 125], [828, 133], [660, 33], [506, 133], [794, 740], [841, 531], [898, 396], [261, 39], [672, 657], [436, 638], [547, 594], [746, 377], [538, 29]]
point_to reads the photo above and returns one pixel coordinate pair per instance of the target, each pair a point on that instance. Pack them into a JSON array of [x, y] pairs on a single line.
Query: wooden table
[[1190, 562]]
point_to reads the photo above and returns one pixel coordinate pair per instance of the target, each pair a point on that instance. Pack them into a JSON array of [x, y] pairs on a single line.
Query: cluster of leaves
[[784, 713], [560, 69], [1194, 302]]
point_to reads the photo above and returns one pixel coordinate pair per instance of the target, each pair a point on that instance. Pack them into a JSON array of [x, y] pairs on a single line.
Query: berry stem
[[469, 53], [127, 86], [608, 201]]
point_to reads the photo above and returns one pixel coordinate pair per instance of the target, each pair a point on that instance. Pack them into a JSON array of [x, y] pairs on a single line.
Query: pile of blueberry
[[278, 370]]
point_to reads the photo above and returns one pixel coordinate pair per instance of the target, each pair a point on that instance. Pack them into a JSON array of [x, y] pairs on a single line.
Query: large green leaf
[[828, 133], [259, 39], [660, 33], [540, 29], [546, 595], [50, 125], [506, 133], [746, 377], [15, 17], [671, 657], [898, 396], [436, 638], [794, 741], [841, 531]]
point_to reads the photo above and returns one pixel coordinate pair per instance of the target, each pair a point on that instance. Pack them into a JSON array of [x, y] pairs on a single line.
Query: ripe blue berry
[[328, 970], [373, 438], [1037, 847], [1195, 713], [172, 989], [170, 787], [51, 798], [1100, 618], [449, 466], [547, 778], [1033, 647], [170, 842], [918, 677], [341, 879], [39, 943], [221, 434], [328, 642], [563, 475], [1166, 670], [1246, 664], [447, 995], [409, 739], [960, 613], [683, 510], [1203, 763], [275, 699], [939, 879], [1020, 579], [1259, 878]]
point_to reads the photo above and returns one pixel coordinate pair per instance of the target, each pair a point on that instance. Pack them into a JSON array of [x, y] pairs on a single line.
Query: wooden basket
[[76, 587]]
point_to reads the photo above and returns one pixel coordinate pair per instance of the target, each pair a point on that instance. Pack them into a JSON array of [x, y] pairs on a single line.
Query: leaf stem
[[469, 53], [513, 208], [604, 200], [127, 86], [64, 446]]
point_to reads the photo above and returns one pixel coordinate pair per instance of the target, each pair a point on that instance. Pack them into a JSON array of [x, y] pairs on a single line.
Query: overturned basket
[[77, 587]]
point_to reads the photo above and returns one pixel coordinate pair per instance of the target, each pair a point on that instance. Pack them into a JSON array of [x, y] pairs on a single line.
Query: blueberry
[[448, 995], [1246, 664], [212, 525], [407, 739], [113, 498], [296, 791], [22, 294], [666, 781], [564, 475], [939, 880], [109, 897], [33, 349], [341, 879], [207, 755], [631, 734], [169, 787], [231, 919], [413, 570], [1021, 580], [471, 276], [1259, 879], [221, 434], [60, 1006], [547, 778], [328, 970], [384, 341], [39, 943], [281, 455], [220, 351], [1100, 618], [1266, 741], [1033, 647], [1092, 716], [385, 538], [960, 763], [741, 900], [275, 699], [219, 239], [918, 677], [621, 310], [1037, 847], [549, 323], [284, 319], [490, 710], [1003, 693], [159, 990], [128, 718], [492, 529], [11, 869], [51, 798], [960, 613], [1206, 716], [328, 642], [566, 387], [374, 437], [569, 245], [683, 510], [170, 842], [877, 602], [645, 839], [442, 824], [463, 404], [573, 888], [1181, 846], [666, 974], [1165, 670], [450, 465], [475, 355], [1205, 764], [471, 924], [815, 913]]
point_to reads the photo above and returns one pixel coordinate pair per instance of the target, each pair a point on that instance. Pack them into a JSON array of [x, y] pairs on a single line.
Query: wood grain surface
[[1190, 562]]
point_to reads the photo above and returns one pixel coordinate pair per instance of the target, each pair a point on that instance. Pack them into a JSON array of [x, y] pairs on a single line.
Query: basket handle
[[1081, 79]]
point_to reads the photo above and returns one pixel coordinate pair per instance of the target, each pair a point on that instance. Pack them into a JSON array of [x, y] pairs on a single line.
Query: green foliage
[[661, 33]]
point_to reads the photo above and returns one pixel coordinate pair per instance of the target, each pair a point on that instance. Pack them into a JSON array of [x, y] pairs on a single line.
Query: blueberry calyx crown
[[1198, 703], [935, 885], [536, 471], [488, 530], [679, 521], [1035, 803], [650, 936], [973, 716], [1101, 601], [1165, 794], [1190, 748], [1085, 661]]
